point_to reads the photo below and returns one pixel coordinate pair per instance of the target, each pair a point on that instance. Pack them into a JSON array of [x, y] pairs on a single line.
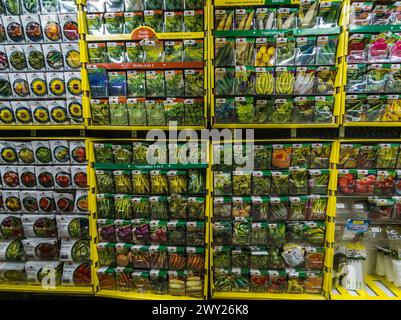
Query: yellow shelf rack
[[340, 54], [139, 33], [36, 288], [375, 287], [329, 235], [131, 295]]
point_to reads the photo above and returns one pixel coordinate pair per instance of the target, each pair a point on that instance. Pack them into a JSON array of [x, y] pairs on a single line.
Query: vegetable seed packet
[[32, 28]]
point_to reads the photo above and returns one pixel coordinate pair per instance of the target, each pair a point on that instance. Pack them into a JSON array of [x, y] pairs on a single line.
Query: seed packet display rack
[[93, 191], [338, 32], [375, 287], [328, 237], [137, 34], [387, 99], [60, 290], [42, 102]]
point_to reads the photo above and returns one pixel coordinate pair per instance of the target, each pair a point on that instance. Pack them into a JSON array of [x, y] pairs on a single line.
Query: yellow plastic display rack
[[33, 288], [340, 54], [329, 236], [84, 57], [376, 287], [92, 209]]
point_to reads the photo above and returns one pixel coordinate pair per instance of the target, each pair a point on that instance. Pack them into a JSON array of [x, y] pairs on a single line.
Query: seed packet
[[154, 19], [174, 82], [55, 84], [244, 19], [114, 23], [122, 154], [193, 20], [173, 51], [358, 48], [324, 109], [95, 24], [73, 84], [308, 14], [117, 81], [387, 156], [53, 56], [153, 50], [193, 51], [176, 232], [174, 111], [51, 28], [194, 112], [22, 112], [279, 208], [361, 13], [114, 6], [116, 52], [305, 51], [132, 20], [97, 80], [239, 257], [122, 181], [285, 78], [244, 51], [97, 52], [326, 49], [136, 83], [241, 231], [32, 28], [195, 233], [10, 177], [118, 111], [305, 80], [16, 58], [356, 78], [71, 55], [155, 84], [75, 110], [19, 85], [134, 52], [136, 111], [241, 207], [14, 29], [69, 250], [4, 64], [140, 231], [265, 19], [325, 80], [69, 27], [259, 234], [393, 83], [100, 111], [123, 206], [287, 18], [224, 52], [95, 6], [224, 19], [134, 5], [158, 207], [329, 13], [5, 88], [60, 151], [140, 207], [173, 21]]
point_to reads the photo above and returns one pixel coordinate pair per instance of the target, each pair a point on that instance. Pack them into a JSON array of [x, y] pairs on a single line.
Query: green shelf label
[[275, 32], [112, 166], [371, 29]]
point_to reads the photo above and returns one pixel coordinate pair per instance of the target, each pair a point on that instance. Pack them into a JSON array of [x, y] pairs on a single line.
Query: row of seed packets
[[147, 51], [149, 83], [318, 109], [243, 80], [159, 21], [15, 201], [142, 112], [20, 7], [141, 5], [376, 14], [362, 107], [37, 57], [41, 112], [373, 78], [43, 177], [43, 152], [310, 14], [292, 182], [280, 51], [40, 84], [38, 29], [382, 47]]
